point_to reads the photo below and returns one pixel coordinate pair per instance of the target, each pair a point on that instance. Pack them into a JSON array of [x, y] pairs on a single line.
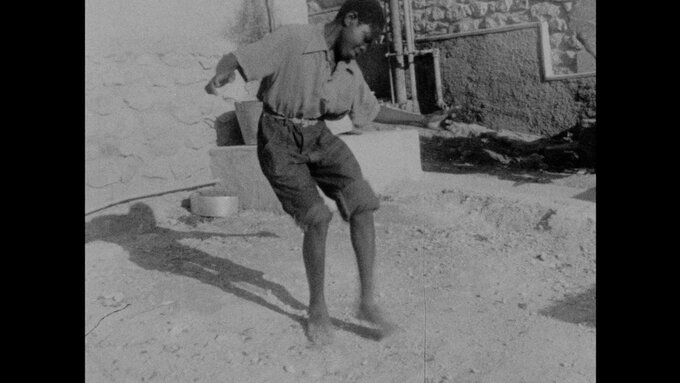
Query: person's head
[[362, 22]]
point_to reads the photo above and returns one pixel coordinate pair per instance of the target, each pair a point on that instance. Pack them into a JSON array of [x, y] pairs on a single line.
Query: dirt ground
[[484, 286]]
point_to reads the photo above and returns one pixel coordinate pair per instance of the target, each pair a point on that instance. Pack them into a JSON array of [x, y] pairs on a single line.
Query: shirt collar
[[318, 43]]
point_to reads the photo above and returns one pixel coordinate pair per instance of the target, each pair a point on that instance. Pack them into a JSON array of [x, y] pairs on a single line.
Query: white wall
[[148, 120]]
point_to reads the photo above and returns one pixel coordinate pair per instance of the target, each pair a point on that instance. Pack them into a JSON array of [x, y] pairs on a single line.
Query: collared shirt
[[294, 64]]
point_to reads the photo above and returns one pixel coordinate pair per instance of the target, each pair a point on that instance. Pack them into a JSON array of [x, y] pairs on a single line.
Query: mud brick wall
[[148, 122], [496, 80]]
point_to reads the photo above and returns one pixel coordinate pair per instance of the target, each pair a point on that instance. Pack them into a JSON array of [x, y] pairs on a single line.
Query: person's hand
[[218, 81], [439, 120]]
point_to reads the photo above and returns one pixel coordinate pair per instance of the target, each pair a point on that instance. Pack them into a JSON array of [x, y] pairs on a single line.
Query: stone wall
[[435, 17], [148, 122]]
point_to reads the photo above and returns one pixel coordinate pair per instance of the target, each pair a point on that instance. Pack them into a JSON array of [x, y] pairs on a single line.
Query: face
[[355, 38]]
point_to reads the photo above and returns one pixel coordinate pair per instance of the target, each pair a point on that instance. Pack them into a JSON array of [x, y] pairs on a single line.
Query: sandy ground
[[486, 286]]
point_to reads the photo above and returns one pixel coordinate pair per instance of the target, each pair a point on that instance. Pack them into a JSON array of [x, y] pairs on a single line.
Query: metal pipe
[[269, 5], [410, 46], [416, 52], [438, 80], [437, 72], [448, 36], [397, 43], [148, 195], [391, 86]]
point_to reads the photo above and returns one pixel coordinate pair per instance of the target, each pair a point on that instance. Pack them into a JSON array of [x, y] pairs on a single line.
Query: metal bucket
[[248, 115]]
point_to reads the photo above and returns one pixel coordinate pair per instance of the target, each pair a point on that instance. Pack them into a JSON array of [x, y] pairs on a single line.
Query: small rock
[[289, 369], [523, 306], [474, 370], [540, 257]]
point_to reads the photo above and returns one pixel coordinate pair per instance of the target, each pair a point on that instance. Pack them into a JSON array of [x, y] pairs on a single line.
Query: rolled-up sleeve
[[263, 57], [365, 106]]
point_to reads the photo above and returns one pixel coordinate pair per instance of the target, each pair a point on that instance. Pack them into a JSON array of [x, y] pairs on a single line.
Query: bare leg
[[319, 330], [362, 232]]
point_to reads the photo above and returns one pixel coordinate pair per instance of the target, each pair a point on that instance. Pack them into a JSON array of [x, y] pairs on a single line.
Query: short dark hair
[[368, 12]]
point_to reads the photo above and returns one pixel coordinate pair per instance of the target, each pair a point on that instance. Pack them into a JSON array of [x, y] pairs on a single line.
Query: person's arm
[[254, 61], [224, 73], [394, 116]]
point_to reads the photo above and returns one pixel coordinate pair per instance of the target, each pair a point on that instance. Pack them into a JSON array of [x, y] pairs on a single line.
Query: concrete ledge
[[385, 157]]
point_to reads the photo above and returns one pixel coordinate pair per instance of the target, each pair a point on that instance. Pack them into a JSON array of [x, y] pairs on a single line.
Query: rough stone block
[[187, 113], [104, 102], [122, 124], [91, 151], [139, 97], [503, 5], [175, 59], [113, 77], [208, 62], [479, 8], [494, 21], [101, 173], [167, 144], [438, 13], [187, 162], [135, 146], [129, 166], [556, 40], [109, 145], [158, 168], [191, 75], [520, 5], [384, 157], [468, 25], [557, 25], [455, 12], [133, 74], [545, 10], [147, 59], [160, 76], [585, 62], [155, 123]]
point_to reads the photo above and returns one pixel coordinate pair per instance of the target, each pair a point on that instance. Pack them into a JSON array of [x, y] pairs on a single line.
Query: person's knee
[[356, 199], [318, 214]]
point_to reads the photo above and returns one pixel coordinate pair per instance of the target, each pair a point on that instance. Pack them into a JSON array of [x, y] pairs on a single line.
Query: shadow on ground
[[588, 195], [578, 309], [157, 248], [509, 158]]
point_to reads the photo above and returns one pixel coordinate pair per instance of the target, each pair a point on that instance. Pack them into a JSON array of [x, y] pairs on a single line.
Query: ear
[[351, 18]]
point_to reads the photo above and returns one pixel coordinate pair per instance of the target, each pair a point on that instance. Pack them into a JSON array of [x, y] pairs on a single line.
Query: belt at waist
[[299, 121]]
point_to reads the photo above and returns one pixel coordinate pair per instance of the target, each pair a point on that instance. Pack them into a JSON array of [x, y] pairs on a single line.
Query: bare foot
[[371, 313], [320, 330]]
